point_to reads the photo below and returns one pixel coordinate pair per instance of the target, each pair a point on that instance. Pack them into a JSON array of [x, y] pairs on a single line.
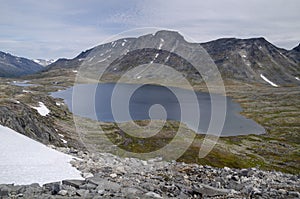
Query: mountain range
[[12, 66], [253, 60]]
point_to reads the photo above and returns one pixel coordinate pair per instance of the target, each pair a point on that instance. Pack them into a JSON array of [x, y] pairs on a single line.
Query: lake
[[143, 102]]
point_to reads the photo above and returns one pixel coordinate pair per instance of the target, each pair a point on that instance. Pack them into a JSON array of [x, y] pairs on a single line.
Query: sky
[[63, 28]]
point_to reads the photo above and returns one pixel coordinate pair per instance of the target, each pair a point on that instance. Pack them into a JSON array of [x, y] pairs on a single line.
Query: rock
[[33, 189], [131, 191], [88, 186], [227, 169], [120, 170], [5, 190], [144, 163], [251, 172], [235, 178], [282, 191], [101, 191], [148, 186], [113, 175], [255, 191], [153, 195], [53, 187], [63, 192], [294, 194], [73, 183], [207, 190], [4, 193], [104, 184], [82, 193], [244, 172], [87, 175]]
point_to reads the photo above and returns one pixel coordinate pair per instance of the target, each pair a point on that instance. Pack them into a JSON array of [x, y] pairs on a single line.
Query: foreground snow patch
[[25, 161], [42, 109], [264, 78]]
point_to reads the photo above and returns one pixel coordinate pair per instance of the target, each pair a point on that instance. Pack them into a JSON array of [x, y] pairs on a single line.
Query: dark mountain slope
[[12, 66]]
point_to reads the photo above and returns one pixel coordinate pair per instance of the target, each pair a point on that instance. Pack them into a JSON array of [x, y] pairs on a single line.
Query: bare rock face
[[27, 121]]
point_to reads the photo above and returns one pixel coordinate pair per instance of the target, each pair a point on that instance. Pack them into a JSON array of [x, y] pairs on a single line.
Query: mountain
[[44, 62], [294, 54], [248, 60], [12, 66]]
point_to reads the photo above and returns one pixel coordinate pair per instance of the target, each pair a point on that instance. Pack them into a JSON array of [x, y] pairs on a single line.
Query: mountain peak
[[168, 33], [297, 48]]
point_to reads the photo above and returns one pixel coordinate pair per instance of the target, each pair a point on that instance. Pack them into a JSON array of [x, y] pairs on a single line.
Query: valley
[[257, 75]]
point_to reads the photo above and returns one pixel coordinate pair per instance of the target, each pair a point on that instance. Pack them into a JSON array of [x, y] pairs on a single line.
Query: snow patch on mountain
[[267, 80], [42, 109], [44, 62]]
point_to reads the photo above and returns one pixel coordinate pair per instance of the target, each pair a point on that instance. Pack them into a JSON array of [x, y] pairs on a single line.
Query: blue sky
[[64, 28]]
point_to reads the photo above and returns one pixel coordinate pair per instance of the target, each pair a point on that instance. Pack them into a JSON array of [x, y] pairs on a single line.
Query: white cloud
[[63, 28]]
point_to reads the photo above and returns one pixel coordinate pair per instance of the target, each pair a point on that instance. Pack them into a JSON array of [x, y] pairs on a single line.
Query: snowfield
[[25, 161], [267, 80], [42, 109]]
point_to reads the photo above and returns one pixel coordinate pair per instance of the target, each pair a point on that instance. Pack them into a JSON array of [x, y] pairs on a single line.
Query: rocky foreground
[[109, 176]]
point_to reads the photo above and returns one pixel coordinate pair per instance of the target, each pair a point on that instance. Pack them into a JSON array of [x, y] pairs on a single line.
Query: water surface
[[95, 101]]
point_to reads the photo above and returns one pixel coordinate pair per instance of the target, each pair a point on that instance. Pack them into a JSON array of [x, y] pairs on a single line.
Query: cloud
[[63, 28]]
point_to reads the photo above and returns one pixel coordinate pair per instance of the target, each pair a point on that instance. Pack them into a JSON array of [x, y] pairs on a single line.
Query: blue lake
[[141, 102]]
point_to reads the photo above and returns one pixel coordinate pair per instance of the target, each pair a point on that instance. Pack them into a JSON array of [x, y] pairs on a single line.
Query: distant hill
[[12, 66]]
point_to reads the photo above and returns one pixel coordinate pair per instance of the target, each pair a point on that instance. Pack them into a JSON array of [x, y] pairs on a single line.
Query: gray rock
[[207, 190], [153, 195], [88, 186], [294, 194], [5, 190], [87, 175], [3, 193], [73, 183], [53, 187], [82, 193], [235, 178], [63, 192], [131, 191], [104, 184], [33, 189], [244, 172]]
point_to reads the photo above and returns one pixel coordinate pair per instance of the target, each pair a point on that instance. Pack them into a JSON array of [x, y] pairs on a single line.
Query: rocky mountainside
[[294, 54], [248, 60], [109, 176], [12, 66]]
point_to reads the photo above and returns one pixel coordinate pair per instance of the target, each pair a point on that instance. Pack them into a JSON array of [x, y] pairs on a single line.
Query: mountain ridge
[[245, 60]]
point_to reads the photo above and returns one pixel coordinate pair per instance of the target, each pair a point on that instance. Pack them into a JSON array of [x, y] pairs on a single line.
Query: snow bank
[[42, 109], [264, 78], [25, 161]]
